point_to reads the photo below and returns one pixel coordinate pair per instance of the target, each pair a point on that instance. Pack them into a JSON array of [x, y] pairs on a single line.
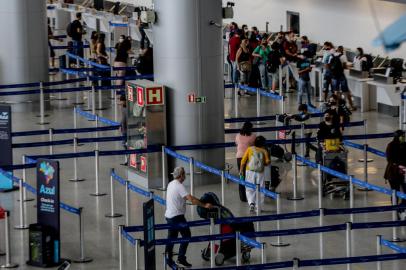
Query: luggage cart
[[331, 185]]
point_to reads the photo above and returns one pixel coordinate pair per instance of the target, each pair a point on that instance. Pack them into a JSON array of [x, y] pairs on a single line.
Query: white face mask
[[121, 40]]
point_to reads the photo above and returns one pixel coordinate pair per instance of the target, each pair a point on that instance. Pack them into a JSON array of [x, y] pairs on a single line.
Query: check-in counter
[[387, 96], [364, 95]]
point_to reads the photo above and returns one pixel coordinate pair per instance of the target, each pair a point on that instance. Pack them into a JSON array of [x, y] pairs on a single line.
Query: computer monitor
[[98, 4]]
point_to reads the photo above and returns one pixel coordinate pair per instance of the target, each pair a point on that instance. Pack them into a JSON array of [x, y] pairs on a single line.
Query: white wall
[[344, 22]]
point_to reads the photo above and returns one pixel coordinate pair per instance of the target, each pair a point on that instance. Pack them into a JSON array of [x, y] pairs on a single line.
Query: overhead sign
[[48, 211], [149, 235], [6, 156]]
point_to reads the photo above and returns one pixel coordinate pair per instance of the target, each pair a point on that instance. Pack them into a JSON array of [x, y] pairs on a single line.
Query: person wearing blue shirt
[[304, 67]]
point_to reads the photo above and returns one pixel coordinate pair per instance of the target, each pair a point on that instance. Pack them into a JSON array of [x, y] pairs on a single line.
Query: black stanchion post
[[113, 213], [7, 241], [378, 251], [75, 163], [279, 242], [42, 105], [295, 196], [348, 243], [22, 225], [237, 249], [51, 139], [97, 192], [82, 258]]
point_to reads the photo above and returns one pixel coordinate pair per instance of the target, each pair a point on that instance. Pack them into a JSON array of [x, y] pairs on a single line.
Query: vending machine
[[146, 120]]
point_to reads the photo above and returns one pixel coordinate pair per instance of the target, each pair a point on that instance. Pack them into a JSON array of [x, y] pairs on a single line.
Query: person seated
[[329, 134]]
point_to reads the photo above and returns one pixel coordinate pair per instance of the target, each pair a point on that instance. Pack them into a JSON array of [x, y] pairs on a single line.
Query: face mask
[[121, 40]]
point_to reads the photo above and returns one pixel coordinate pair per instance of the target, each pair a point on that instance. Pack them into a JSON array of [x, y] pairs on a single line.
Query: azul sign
[[6, 156], [4, 116]]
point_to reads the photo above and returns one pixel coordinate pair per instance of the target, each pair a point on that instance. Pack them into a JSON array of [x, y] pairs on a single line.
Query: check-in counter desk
[[364, 95], [387, 96]]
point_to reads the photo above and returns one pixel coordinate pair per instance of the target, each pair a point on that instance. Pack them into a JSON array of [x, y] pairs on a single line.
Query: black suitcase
[[277, 151]]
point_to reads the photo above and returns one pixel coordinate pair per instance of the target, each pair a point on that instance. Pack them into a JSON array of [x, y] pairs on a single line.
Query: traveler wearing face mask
[[341, 114], [304, 68], [245, 31], [359, 59], [262, 52], [396, 158], [302, 117], [328, 50], [328, 129]]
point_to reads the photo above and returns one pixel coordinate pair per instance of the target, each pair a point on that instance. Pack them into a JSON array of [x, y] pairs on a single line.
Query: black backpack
[[273, 62], [69, 30], [336, 67], [367, 65], [275, 177]]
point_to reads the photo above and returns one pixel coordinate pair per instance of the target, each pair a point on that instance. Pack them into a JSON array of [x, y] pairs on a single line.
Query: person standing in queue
[[176, 197], [254, 161], [396, 158], [75, 31], [243, 140]]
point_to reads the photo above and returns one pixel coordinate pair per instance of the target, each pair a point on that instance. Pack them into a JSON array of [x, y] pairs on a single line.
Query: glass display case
[[146, 120]]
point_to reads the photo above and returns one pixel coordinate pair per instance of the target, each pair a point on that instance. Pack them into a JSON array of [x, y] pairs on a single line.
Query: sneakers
[[402, 216], [183, 263], [252, 207]]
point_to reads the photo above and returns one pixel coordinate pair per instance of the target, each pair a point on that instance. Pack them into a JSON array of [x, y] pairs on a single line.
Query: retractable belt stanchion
[[223, 183], [321, 79], [97, 193], [22, 225], [192, 176], [136, 247], [403, 111], [96, 123], [100, 97], [82, 258], [320, 185], [237, 249], [259, 107], [7, 241], [378, 251], [295, 264], [24, 178], [94, 99], [51, 139], [395, 237], [365, 143], [365, 160], [89, 94], [281, 92], [164, 168], [120, 247], [75, 163], [115, 107], [351, 197], [112, 213], [283, 104], [42, 105], [348, 243], [236, 89], [212, 247], [295, 196], [276, 124], [112, 91], [321, 240], [302, 145], [127, 203], [263, 253], [279, 241], [77, 94], [258, 204], [287, 79]]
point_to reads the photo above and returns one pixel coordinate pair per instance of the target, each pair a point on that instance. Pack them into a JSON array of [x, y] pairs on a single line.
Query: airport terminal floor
[[101, 236]]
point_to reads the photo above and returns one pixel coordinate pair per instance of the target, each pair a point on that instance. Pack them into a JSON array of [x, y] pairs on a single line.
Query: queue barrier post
[[236, 90], [82, 258], [75, 163], [112, 91], [302, 145], [263, 253], [295, 263], [378, 251], [100, 97], [42, 105], [258, 204], [89, 93], [93, 99], [283, 104], [365, 159], [97, 192], [395, 237], [77, 97], [212, 246], [120, 247], [276, 124], [259, 106], [113, 213], [279, 242], [164, 261], [321, 86], [351, 196], [127, 203], [75, 121], [348, 243], [295, 196], [164, 168], [22, 225], [192, 175], [281, 81], [97, 132], [7, 241], [237, 249], [24, 178], [136, 251], [223, 183], [403, 112], [320, 185], [51, 139], [321, 240], [115, 107]]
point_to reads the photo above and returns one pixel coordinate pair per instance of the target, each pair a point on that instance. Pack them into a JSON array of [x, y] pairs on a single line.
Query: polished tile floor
[[101, 236]]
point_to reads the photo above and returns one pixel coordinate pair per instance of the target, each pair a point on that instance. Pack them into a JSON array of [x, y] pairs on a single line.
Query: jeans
[[235, 73], [265, 80], [340, 84], [173, 234], [304, 88], [327, 81], [78, 48]]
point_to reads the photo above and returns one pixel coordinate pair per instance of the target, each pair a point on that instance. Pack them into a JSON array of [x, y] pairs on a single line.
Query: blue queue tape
[[30, 188], [159, 227], [228, 86], [118, 24], [335, 173], [301, 231], [10, 176], [393, 246], [207, 168], [176, 155], [19, 85], [30, 160], [377, 152], [269, 193], [250, 242], [64, 82], [372, 187], [271, 95], [159, 199], [129, 237], [119, 179], [139, 190], [41, 144], [267, 266], [362, 210], [239, 181], [262, 118], [351, 260], [85, 114], [18, 93], [69, 208], [307, 162], [70, 55], [354, 145], [29, 133], [375, 225], [64, 156]]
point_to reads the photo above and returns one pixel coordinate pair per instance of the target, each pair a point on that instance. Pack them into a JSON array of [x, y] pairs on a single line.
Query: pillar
[[23, 44], [188, 58]]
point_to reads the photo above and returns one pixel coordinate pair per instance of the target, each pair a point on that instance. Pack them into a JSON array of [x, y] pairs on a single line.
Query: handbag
[[245, 66]]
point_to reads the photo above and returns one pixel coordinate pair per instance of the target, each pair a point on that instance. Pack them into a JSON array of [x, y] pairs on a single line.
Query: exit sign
[[192, 98]]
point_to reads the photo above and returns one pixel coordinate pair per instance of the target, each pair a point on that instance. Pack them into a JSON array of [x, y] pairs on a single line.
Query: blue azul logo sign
[[4, 116]]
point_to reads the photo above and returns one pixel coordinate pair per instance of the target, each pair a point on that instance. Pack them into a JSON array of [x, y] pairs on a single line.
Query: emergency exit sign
[[192, 98]]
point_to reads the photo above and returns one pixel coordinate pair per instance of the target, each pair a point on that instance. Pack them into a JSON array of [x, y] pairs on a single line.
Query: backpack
[[367, 65], [273, 62], [336, 67], [256, 163], [69, 29], [275, 177]]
